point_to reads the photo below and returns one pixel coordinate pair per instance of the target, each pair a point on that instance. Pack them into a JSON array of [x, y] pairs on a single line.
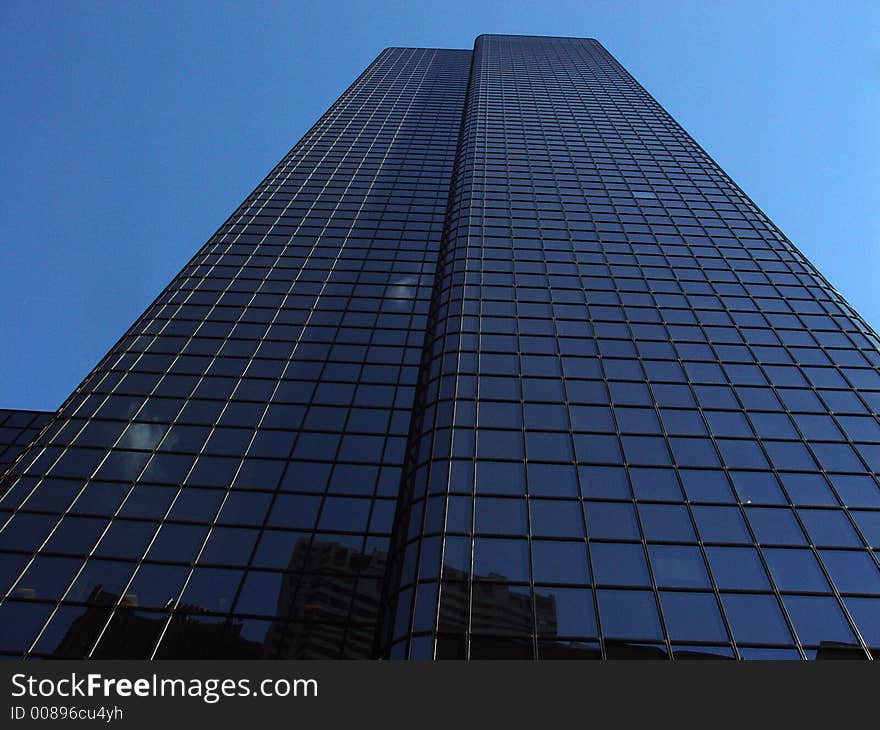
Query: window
[[574, 613], [755, 619], [666, 522], [692, 617], [678, 566], [560, 562], [775, 526], [828, 527], [853, 571], [556, 518], [629, 614], [795, 570], [737, 567], [619, 564], [499, 516], [615, 520], [818, 619], [500, 559]]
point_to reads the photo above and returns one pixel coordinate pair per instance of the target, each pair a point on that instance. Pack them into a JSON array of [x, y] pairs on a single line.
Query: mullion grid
[[400, 601], [700, 326], [170, 319], [290, 359], [228, 288], [17, 429], [121, 506]]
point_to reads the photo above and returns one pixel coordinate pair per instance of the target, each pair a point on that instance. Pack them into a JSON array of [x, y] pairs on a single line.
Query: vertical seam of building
[[391, 581]]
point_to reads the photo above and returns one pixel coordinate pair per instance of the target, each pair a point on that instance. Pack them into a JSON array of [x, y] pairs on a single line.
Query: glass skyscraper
[[496, 362]]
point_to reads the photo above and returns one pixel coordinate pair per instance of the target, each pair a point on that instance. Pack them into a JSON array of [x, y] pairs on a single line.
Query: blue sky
[[131, 130]]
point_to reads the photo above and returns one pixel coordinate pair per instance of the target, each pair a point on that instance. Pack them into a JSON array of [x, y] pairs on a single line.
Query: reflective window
[[573, 612], [755, 619], [560, 562], [502, 558], [737, 567], [619, 564], [556, 518], [795, 570], [775, 526], [611, 520], [818, 619], [666, 522], [852, 571], [692, 617], [629, 614], [500, 516], [864, 613], [678, 566], [829, 527]]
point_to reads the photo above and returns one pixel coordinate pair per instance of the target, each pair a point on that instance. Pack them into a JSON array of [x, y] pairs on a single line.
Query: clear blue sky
[[130, 130]]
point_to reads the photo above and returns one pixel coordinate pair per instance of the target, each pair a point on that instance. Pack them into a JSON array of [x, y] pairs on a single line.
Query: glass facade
[[17, 428], [224, 483], [497, 362]]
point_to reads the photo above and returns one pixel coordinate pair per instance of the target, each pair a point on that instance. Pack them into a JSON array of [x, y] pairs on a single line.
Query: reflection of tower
[[329, 598]]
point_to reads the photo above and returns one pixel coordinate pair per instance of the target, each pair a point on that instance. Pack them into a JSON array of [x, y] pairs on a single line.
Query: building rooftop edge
[[492, 35]]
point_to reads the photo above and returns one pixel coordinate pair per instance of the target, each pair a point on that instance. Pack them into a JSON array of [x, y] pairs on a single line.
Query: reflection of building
[[328, 599], [332, 600], [494, 606], [134, 632], [496, 313], [499, 615]]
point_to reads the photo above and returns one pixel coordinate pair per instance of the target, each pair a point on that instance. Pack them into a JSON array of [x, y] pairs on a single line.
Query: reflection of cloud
[[403, 288], [143, 436]]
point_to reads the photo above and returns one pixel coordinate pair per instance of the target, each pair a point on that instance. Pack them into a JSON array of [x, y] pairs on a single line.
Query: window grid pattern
[[646, 426], [17, 429], [496, 362], [224, 482]]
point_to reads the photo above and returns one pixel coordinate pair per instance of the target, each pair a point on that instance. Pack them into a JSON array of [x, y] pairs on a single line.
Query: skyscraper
[[496, 362]]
